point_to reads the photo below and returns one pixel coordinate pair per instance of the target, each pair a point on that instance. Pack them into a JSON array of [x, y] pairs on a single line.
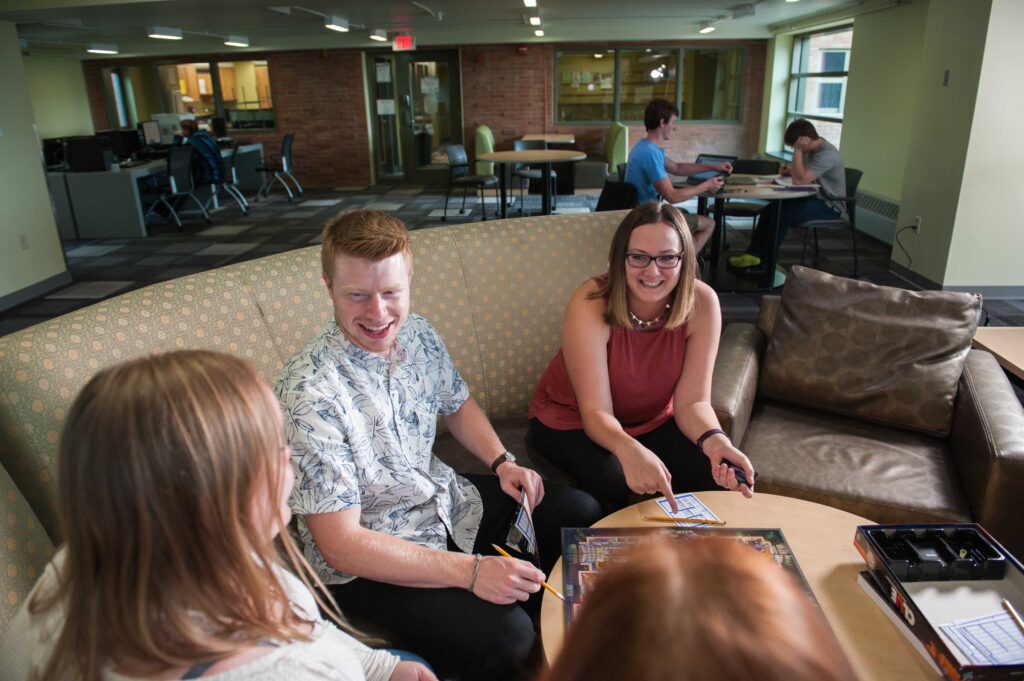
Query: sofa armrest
[[987, 444], [734, 383]]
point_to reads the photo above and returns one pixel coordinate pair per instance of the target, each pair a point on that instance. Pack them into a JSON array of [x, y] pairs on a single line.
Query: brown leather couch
[[869, 399]]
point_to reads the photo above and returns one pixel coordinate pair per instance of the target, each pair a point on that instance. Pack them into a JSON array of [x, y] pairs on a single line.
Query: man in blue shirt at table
[[648, 169], [207, 166]]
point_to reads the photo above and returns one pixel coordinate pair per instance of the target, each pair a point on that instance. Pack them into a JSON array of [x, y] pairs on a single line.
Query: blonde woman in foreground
[[172, 497], [702, 609]]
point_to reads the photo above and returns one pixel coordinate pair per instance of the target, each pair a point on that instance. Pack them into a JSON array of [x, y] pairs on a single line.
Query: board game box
[[953, 591], [586, 551]]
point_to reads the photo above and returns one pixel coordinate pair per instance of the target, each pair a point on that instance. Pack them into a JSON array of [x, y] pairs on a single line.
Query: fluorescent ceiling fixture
[[530, 3], [336, 24], [237, 41], [101, 48], [598, 55], [164, 33], [535, 21], [706, 28], [539, 33], [792, 0], [379, 34]]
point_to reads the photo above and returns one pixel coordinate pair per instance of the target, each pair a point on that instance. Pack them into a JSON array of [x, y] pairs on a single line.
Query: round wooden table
[[543, 157], [822, 542]]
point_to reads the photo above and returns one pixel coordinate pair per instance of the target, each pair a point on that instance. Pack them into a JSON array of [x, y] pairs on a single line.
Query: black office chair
[[616, 196], [279, 170], [747, 208], [852, 181], [525, 173], [458, 176], [179, 187], [227, 184], [622, 167]]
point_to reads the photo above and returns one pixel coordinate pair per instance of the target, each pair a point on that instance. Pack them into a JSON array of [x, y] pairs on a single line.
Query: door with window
[[416, 112]]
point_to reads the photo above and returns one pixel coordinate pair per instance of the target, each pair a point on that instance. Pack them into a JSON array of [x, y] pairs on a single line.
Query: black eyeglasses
[[665, 262]]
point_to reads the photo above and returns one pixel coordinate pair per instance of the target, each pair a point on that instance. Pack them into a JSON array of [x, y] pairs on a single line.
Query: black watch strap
[[505, 457]]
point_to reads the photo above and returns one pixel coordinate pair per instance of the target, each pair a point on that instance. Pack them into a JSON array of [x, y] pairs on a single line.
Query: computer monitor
[[123, 143], [150, 132], [85, 154], [53, 151]]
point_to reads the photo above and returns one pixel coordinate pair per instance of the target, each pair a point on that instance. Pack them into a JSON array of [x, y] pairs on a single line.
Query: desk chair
[[458, 176], [179, 187], [852, 181], [524, 172], [279, 171], [747, 208], [616, 195], [228, 184]]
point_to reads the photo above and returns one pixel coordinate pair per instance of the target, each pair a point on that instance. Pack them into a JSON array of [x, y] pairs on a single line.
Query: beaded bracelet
[[707, 435], [476, 569]]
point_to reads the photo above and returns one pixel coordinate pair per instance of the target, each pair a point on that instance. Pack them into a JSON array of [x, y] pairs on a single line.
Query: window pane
[[189, 88], [833, 60], [245, 89], [646, 75], [814, 95], [822, 52], [711, 84], [585, 86]]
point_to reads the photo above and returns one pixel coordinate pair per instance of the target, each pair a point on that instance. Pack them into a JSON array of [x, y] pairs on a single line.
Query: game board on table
[[586, 551]]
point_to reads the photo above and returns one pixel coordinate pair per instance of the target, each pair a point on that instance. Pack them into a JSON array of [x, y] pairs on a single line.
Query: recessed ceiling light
[[237, 41], [336, 24], [379, 34], [101, 48], [539, 33], [164, 33], [598, 55], [530, 3], [706, 28], [535, 21]]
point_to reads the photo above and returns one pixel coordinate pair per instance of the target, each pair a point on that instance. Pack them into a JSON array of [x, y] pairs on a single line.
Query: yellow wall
[[245, 84], [885, 69], [26, 213], [988, 234], [776, 83], [955, 35], [146, 86], [57, 88]]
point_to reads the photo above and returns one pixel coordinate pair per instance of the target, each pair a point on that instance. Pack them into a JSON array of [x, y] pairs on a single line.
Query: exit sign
[[404, 43]]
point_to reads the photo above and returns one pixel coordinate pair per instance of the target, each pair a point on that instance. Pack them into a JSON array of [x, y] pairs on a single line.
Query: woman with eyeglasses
[[625, 405], [173, 503]]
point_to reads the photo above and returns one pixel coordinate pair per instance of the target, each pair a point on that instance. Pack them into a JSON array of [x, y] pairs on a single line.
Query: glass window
[[646, 74], [712, 84], [585, 86], [817, 85], [189, 88], [245, 91]]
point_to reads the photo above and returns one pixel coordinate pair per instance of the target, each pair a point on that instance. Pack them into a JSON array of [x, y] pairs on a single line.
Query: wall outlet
[[23, 241], [917, 224]]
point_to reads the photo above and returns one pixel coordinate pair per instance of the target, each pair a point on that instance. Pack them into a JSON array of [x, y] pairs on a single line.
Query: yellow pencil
[[547, 586], [1013, 613], [689, 521]]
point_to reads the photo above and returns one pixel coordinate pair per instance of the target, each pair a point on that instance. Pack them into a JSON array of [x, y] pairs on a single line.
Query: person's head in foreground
[[651, 263], [367, 267], [173, 486], [702, 609]]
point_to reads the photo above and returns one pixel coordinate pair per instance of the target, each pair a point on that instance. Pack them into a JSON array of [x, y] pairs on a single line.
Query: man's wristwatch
[[507, 457]]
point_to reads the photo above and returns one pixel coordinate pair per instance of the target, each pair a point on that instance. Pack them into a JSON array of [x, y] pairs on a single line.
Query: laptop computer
[[697, 178]]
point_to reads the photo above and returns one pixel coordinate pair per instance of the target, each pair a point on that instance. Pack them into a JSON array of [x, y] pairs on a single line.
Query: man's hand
[[515, 478], [503, 580], [784, 171], [647, 474], [710, 186], [724, 167], [411, 671], [802, 143]]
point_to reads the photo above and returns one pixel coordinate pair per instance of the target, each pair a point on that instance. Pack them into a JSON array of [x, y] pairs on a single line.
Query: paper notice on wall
[[430, 105], [202, 86], [429, 86], [385, 107], [383, 72]]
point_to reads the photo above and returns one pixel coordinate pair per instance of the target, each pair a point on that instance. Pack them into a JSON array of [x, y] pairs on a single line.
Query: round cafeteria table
[[542, 157]]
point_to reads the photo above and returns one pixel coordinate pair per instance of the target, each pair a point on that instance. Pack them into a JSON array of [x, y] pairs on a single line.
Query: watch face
[[510, 457]]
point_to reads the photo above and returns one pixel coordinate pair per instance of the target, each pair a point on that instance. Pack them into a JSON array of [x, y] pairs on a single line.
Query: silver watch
[[507, 457]]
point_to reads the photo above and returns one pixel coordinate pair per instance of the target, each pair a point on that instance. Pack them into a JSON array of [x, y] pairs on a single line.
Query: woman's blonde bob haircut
[[615, 287], [699, 610], [169, 559]]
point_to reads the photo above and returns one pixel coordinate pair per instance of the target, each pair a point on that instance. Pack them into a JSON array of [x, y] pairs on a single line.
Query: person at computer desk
[[648, 169], [207, 167], [815, 159]]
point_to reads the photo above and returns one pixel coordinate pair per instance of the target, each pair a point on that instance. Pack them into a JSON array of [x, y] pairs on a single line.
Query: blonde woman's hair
[[165, 563], [700, 610], [369, 234], [615, 286]]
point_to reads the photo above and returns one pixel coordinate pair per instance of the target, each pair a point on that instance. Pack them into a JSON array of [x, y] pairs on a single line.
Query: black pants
[[454, 630], [599, 472]]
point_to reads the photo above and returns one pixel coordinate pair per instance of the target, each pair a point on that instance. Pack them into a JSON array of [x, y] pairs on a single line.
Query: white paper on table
[[689, 507]]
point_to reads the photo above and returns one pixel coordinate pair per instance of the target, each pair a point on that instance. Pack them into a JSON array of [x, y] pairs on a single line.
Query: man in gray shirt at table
[[815, 159]]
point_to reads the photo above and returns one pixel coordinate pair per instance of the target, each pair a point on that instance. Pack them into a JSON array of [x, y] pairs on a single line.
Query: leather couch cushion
[[885, 474], [884, 354]]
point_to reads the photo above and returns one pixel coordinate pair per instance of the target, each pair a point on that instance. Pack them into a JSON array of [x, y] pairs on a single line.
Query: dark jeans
[[453, 629], [793, 212], [599, 472]]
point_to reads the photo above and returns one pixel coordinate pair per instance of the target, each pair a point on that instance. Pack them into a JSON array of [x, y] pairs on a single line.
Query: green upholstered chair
[[591, 172], [483, 140]]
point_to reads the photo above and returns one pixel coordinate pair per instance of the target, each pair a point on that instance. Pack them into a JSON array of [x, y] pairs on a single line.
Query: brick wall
[[318, 95]]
